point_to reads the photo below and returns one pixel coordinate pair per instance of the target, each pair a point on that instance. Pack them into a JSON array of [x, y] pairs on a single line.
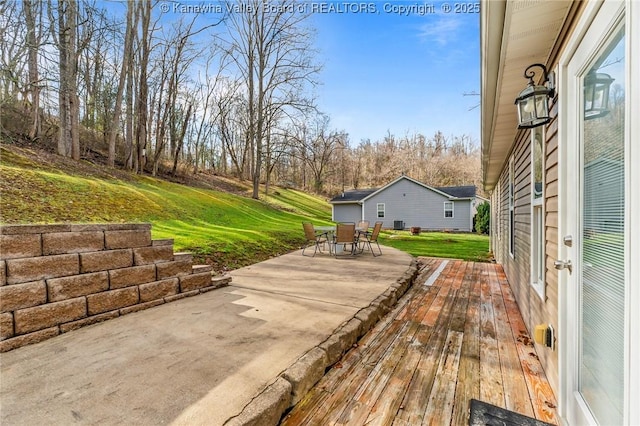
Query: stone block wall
[[57, 278]]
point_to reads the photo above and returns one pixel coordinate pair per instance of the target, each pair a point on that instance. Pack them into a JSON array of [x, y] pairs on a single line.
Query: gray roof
[[468, 191], [353, 195], [356, 195]]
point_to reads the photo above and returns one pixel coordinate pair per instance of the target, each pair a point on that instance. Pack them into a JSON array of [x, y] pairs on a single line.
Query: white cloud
[[441, 31]]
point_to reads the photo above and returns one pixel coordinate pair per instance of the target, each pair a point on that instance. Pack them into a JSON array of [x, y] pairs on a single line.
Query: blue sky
[[384, 71], [404, 74]]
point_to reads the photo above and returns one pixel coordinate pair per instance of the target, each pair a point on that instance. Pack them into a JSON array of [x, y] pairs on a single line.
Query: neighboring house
[[567, 191], [405, 202]]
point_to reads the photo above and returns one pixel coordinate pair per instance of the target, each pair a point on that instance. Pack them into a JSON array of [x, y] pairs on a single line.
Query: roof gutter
[[492, 19]]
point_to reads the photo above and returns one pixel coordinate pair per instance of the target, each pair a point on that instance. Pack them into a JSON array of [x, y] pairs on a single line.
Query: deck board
[[460, 338]]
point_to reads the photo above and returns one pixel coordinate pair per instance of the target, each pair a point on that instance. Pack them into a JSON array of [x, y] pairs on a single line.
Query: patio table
[[330, 230]]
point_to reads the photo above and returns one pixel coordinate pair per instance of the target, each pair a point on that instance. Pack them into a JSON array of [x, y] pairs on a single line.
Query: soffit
[[529, 30]]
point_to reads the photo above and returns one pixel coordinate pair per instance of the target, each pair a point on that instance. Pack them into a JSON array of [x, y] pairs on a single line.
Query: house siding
[[347, 212], [416, 205], [534, 309]]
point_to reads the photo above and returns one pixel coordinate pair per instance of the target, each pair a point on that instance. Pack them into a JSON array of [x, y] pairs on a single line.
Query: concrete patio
[[222, 357]]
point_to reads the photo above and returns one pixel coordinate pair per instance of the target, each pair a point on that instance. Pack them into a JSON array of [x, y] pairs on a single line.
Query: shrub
[[482, 219]]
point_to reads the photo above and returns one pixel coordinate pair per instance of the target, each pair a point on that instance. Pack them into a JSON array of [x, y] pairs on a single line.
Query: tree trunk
[[126, 55], [64, 136], [142, 110], [33, 44], [180, 140]]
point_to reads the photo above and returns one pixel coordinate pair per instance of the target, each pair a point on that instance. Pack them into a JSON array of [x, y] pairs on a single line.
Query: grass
[[470, 247], [222, 229]]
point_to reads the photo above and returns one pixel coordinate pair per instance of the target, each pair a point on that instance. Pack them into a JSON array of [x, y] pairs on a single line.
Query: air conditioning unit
[[398, 225]]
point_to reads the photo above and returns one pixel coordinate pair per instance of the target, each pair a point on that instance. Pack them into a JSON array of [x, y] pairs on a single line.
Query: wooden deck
[[456, 335]]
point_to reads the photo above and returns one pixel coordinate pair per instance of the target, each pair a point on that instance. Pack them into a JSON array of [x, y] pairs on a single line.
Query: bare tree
[[270, 48], [127, 59], [33, 20]]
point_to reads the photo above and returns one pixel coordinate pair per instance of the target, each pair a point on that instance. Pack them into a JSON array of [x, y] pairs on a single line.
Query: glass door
[[601, 277], [596, 277]]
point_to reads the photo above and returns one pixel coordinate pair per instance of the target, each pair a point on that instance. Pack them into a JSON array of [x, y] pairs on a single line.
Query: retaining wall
[[57, 278]]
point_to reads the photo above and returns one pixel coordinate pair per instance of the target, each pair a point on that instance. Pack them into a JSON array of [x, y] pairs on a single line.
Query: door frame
[[568, 129]]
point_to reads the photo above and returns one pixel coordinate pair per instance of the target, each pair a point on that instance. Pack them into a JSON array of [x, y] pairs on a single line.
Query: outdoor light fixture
[[533, 101], [596, 95]]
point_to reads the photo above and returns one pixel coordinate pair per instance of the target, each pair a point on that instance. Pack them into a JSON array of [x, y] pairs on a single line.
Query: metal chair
[[314, 238], [372, 237], [345, 235]]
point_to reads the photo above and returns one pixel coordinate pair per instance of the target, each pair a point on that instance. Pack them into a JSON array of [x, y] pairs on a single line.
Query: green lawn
[[221, 228], [471, 247], [224, 229]]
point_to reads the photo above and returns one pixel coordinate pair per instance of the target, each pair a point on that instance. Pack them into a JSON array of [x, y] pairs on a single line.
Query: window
[[512, 213], [380, 209], [448, 209], [537, 215]]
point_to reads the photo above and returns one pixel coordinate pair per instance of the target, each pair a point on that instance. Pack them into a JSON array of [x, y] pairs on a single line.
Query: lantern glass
[[533, 106], [596, 95]]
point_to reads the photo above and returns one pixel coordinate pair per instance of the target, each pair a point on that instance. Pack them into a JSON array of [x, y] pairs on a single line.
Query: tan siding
[[548, 357], [534, 310]]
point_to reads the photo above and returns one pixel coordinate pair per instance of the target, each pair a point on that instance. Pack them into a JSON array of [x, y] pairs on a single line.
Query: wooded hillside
[[229, 93]]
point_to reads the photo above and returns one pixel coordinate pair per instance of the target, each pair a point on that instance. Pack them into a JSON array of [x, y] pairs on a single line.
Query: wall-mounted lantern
[[533, 101], [596, 95]]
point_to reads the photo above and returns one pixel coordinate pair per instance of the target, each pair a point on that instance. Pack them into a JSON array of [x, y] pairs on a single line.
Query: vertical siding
[[518, 268], [347, 213], [416, 205]]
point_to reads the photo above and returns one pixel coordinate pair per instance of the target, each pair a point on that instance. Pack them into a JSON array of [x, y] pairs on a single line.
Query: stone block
[[165, 242], [43, 267], [112, 300], [181, 296], [351, 331], [381, 306], [51, 314], [127, 239], [33, 229], [20, 245], [266, 408], [198, 269], [369, 318], [20, 296], [159, 289], [77, 285], [28, 339], [6, 326], [305, 373], [140, 307], [334, 349], [183, 255], [147, 255], [216, 283], [109, 227], [173, 269], [104, 260], [128, 227], [74, 325], [135, 275], [3, 273], [341, 340], [221, 280], [195, 281], [72, 242]]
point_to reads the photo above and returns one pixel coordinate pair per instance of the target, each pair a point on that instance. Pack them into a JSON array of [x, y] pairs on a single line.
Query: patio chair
[[371, 237], [363, 225], [314, 238], [345, 235]]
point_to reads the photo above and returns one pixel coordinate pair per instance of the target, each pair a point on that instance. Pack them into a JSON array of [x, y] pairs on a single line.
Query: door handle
[[561, 264]]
